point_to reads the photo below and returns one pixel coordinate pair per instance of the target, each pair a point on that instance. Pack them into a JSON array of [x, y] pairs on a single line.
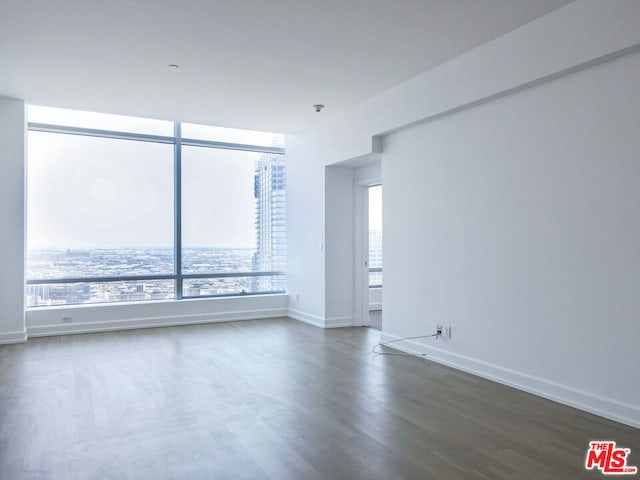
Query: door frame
[[361, 249]]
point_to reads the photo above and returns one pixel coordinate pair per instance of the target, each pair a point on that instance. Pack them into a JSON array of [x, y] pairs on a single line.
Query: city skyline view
[[115, 263], [104, 208]]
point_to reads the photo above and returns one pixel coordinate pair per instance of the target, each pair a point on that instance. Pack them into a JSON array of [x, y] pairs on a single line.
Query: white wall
[[305, 242], [518, 223], [506, 86], [369, 174], [339, 240], [12, 220]]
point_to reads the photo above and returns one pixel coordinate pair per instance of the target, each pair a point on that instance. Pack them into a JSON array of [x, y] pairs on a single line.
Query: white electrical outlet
[[447, 331]]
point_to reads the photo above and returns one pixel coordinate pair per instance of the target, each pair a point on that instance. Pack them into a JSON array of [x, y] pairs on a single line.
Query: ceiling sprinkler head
[[318, 108]]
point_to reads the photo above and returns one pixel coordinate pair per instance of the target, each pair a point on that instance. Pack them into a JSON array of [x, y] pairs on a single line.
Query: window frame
[[178, 276]]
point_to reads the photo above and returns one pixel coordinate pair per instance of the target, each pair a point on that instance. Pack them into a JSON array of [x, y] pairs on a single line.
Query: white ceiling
[[257, 64]]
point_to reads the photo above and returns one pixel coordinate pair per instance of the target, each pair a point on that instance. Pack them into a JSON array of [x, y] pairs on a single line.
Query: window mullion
[[177, 215]]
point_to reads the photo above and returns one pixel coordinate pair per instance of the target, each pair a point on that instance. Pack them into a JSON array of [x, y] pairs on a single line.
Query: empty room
[[354, 239]]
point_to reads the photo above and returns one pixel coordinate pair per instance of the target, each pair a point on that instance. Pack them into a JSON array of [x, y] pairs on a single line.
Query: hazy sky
[[98, 192], [375, 207]]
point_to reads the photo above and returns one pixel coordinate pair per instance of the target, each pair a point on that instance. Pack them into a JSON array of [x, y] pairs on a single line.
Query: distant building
[[269, 190], [193, 290], [38, 295]]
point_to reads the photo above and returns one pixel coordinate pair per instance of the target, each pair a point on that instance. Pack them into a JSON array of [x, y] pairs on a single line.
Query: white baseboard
[[320, 322], [339, 322], [304, 317], [151, 322], [12, 337], [604, 407]]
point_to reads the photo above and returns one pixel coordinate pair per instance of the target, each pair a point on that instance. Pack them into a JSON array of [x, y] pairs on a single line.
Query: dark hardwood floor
[[272, 399]]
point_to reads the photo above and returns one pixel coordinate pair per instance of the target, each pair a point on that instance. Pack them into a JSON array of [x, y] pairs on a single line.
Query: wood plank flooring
[[272, 399]]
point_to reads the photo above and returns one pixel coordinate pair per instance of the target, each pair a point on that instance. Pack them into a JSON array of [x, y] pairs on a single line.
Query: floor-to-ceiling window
[[129, 209], [375, 236]]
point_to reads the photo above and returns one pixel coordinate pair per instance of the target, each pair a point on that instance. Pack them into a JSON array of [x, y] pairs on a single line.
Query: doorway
[[367, 237]]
